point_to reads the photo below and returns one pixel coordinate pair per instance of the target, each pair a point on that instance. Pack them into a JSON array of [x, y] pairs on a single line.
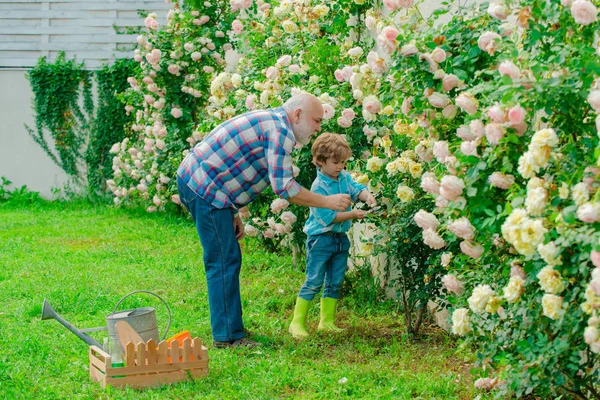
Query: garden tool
[[142, 320], [298, 325], [328, 305]]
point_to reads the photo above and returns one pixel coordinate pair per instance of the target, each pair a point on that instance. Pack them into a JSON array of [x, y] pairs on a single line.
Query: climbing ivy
[[57, 88], [109, 124]]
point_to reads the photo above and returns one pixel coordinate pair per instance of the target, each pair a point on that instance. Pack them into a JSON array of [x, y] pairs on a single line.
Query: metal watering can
[[142, 320]]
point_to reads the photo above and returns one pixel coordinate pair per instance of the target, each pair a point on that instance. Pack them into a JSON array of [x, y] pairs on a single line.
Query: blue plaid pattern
[[241, 157]]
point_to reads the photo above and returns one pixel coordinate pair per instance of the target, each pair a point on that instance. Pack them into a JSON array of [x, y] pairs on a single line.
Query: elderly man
[[226, 171]]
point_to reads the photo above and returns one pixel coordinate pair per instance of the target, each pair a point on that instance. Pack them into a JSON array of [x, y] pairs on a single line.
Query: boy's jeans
[[326, 262], [222, 263]]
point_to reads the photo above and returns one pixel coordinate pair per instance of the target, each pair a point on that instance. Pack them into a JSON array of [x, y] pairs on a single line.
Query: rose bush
[[479, 136]]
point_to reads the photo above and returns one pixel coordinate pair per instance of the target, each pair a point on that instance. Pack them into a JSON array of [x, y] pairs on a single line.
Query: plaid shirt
[[240, 157], [321, 219]]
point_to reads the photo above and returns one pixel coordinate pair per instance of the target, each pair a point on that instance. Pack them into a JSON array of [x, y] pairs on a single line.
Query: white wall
[[22, 161]]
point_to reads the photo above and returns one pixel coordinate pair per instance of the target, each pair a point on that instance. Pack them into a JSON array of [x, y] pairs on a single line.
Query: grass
[[84, 258]]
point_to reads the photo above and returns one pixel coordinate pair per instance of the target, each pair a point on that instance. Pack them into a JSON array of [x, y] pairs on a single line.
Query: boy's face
[[332, 167]]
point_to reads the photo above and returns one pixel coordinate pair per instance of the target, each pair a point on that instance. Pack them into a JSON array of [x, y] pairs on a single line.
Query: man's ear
[[296, 115]]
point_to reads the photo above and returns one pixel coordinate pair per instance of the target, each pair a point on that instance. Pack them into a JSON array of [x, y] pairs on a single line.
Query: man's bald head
[[305, 114]]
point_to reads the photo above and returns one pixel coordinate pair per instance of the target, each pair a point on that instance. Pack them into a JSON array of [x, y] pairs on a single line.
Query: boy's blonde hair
[[330, 145]]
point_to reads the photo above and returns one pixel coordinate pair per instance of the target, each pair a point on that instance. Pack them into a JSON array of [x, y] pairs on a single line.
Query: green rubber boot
[[328, 315], [298, 325]]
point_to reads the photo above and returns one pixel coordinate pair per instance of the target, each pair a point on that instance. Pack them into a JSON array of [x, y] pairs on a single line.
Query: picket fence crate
[[147, 364]]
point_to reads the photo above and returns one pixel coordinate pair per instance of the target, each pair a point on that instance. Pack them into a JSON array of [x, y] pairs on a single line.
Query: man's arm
[[338, 202]]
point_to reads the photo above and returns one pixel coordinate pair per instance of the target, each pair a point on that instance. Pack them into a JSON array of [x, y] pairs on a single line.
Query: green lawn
[[84, 258]]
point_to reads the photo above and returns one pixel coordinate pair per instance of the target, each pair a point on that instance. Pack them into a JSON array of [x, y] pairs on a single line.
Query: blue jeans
[[222, 263], [326, 262]]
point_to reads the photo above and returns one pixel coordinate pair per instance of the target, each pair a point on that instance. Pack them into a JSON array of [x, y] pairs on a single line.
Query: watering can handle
[[153, 294]]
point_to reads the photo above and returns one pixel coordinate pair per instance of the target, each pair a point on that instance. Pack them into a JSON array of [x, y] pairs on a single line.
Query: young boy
[[327, 245]]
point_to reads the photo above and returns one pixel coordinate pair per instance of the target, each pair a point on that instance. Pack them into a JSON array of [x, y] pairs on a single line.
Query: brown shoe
[[243, 342]]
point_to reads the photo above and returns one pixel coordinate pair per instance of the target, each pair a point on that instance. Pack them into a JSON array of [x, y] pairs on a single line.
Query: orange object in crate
[[180, 337]]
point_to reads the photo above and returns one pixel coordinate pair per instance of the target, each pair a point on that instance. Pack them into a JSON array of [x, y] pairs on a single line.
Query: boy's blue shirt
[[321, 219]]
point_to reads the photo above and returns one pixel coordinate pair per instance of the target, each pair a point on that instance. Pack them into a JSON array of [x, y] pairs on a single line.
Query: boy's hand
[[370, 200], [358, 214]]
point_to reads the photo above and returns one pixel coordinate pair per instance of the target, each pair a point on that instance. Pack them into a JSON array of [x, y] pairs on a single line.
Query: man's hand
[[339, 202], [238, 228]]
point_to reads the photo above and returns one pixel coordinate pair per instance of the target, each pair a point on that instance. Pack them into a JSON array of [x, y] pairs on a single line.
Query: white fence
[[81, 28]]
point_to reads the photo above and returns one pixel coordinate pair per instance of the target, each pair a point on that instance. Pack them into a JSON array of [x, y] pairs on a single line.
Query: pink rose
[[285, 60], [203, 19], [376, 63], [268, 234], [409, 50], [584, 12], [391, 4], [271, 73], [595, 256], [440, 151], [488, 42], [452, 284], [390, 33], [469, 148], [517, 270], [288, 217], [149, 99], [594, 100], [470, 249], [497, 114], [477, 128], [450, 111], [500, 180], [151, 23], [196, 56], [173, 69], [499, 11], [438, 100], [588, 212], [372, 104], [438, 55], [432, 239], [175, 199], [338, 75], [294, 68], [426, 220], [348, 113], [237, 26], [430, 184], [467, 103], [407, 105], [279, 205], [176, 112], [250, 99], [508, 68], [516, 115], [465, 133], [449, 82], [462, 228], [344, 123], [451, 187], [148, 80], [494, 132], [328, 111], [405, 3], [433, 65]]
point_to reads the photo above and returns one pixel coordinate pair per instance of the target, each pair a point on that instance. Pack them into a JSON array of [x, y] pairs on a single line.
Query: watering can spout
[[49, 313]]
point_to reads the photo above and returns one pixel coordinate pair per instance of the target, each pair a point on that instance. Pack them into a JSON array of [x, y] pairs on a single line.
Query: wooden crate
[[147, 364]]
